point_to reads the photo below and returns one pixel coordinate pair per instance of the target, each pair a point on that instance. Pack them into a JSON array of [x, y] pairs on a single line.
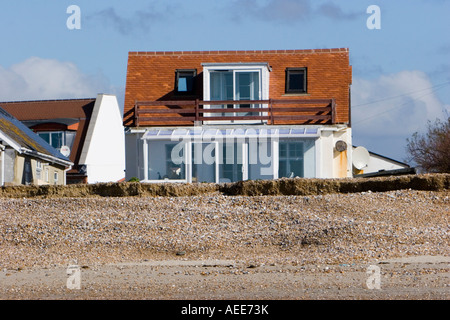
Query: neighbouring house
[[225, 116], [88, 131], [378, 165], [26, 158]]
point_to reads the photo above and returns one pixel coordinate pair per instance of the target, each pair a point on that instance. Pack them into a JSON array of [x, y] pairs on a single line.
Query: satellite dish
[[361, 157], [65, 151]]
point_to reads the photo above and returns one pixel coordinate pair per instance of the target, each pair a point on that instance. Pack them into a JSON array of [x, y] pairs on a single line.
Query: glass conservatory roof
[[208, 133]]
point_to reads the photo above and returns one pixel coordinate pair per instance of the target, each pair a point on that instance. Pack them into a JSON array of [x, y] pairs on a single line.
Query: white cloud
[[395, 103], [390, 108], [38, 79]]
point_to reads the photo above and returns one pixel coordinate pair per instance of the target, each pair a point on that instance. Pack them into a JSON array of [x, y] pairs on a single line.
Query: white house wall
[[133, 156], [104, 148], [342, 161], [330, 162]]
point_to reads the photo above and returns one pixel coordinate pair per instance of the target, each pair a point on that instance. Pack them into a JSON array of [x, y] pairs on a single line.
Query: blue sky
[[401, 72]]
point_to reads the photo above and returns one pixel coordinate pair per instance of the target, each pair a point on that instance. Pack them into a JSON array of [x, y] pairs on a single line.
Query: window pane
[[70, 137], [185, 81], [231, 167], [283, 150], [45, 136], [57, 139], [221, 87], [296, 80], [291, 162], [243, 89], [182, 84], [161, 166], [295, 168], [282, 169], [295, 150], [173, 171], [203, 162], [247, 88]]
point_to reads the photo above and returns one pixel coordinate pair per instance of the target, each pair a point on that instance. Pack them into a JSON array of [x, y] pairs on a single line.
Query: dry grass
[[296, 186]]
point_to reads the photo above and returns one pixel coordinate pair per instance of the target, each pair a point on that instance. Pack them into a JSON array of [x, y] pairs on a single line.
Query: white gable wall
[[377, 163], [104, 148]]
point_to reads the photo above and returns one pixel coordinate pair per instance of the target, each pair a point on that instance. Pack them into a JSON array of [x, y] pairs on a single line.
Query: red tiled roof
[[50, 109]]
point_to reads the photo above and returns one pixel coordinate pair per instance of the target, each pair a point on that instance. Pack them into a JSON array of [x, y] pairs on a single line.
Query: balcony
[[272, 112]]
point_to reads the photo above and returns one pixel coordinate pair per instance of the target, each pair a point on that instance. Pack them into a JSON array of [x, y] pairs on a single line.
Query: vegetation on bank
[[295, 186]]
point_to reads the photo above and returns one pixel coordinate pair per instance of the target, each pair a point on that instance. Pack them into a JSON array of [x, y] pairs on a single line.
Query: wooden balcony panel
[[278, 111], [225, 118], [166, 111], [164, 119]]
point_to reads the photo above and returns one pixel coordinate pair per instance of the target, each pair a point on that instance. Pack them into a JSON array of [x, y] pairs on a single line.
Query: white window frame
[[38, 170], [262, 68], [146, 164], [64, 137], [189, 164]]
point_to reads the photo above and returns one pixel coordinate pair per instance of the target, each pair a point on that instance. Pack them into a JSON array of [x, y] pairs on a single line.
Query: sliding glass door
[[235, 85], [222, 89]]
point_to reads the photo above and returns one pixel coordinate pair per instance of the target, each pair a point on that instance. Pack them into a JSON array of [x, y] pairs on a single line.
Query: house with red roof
[[89, 132], [224, 116], [25, 158]]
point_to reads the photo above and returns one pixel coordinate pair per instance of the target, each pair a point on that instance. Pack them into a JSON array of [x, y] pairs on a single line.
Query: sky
[[401, 70]]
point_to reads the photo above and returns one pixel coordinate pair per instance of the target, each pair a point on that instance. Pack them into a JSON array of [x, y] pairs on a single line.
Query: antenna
[[361, 158]]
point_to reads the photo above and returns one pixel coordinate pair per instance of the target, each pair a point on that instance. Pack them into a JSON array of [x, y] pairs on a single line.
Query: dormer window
[[184, 81], [57, 139], [236, 81], [296, 80]]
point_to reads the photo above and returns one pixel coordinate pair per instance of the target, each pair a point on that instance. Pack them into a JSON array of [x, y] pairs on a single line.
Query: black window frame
[[288, 89], [180, 72]]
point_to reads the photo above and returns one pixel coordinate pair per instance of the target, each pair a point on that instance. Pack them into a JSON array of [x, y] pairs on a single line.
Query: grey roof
[[26, 138]]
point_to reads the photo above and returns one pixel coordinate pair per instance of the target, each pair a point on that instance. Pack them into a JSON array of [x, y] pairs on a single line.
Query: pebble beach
[[261, 245]]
